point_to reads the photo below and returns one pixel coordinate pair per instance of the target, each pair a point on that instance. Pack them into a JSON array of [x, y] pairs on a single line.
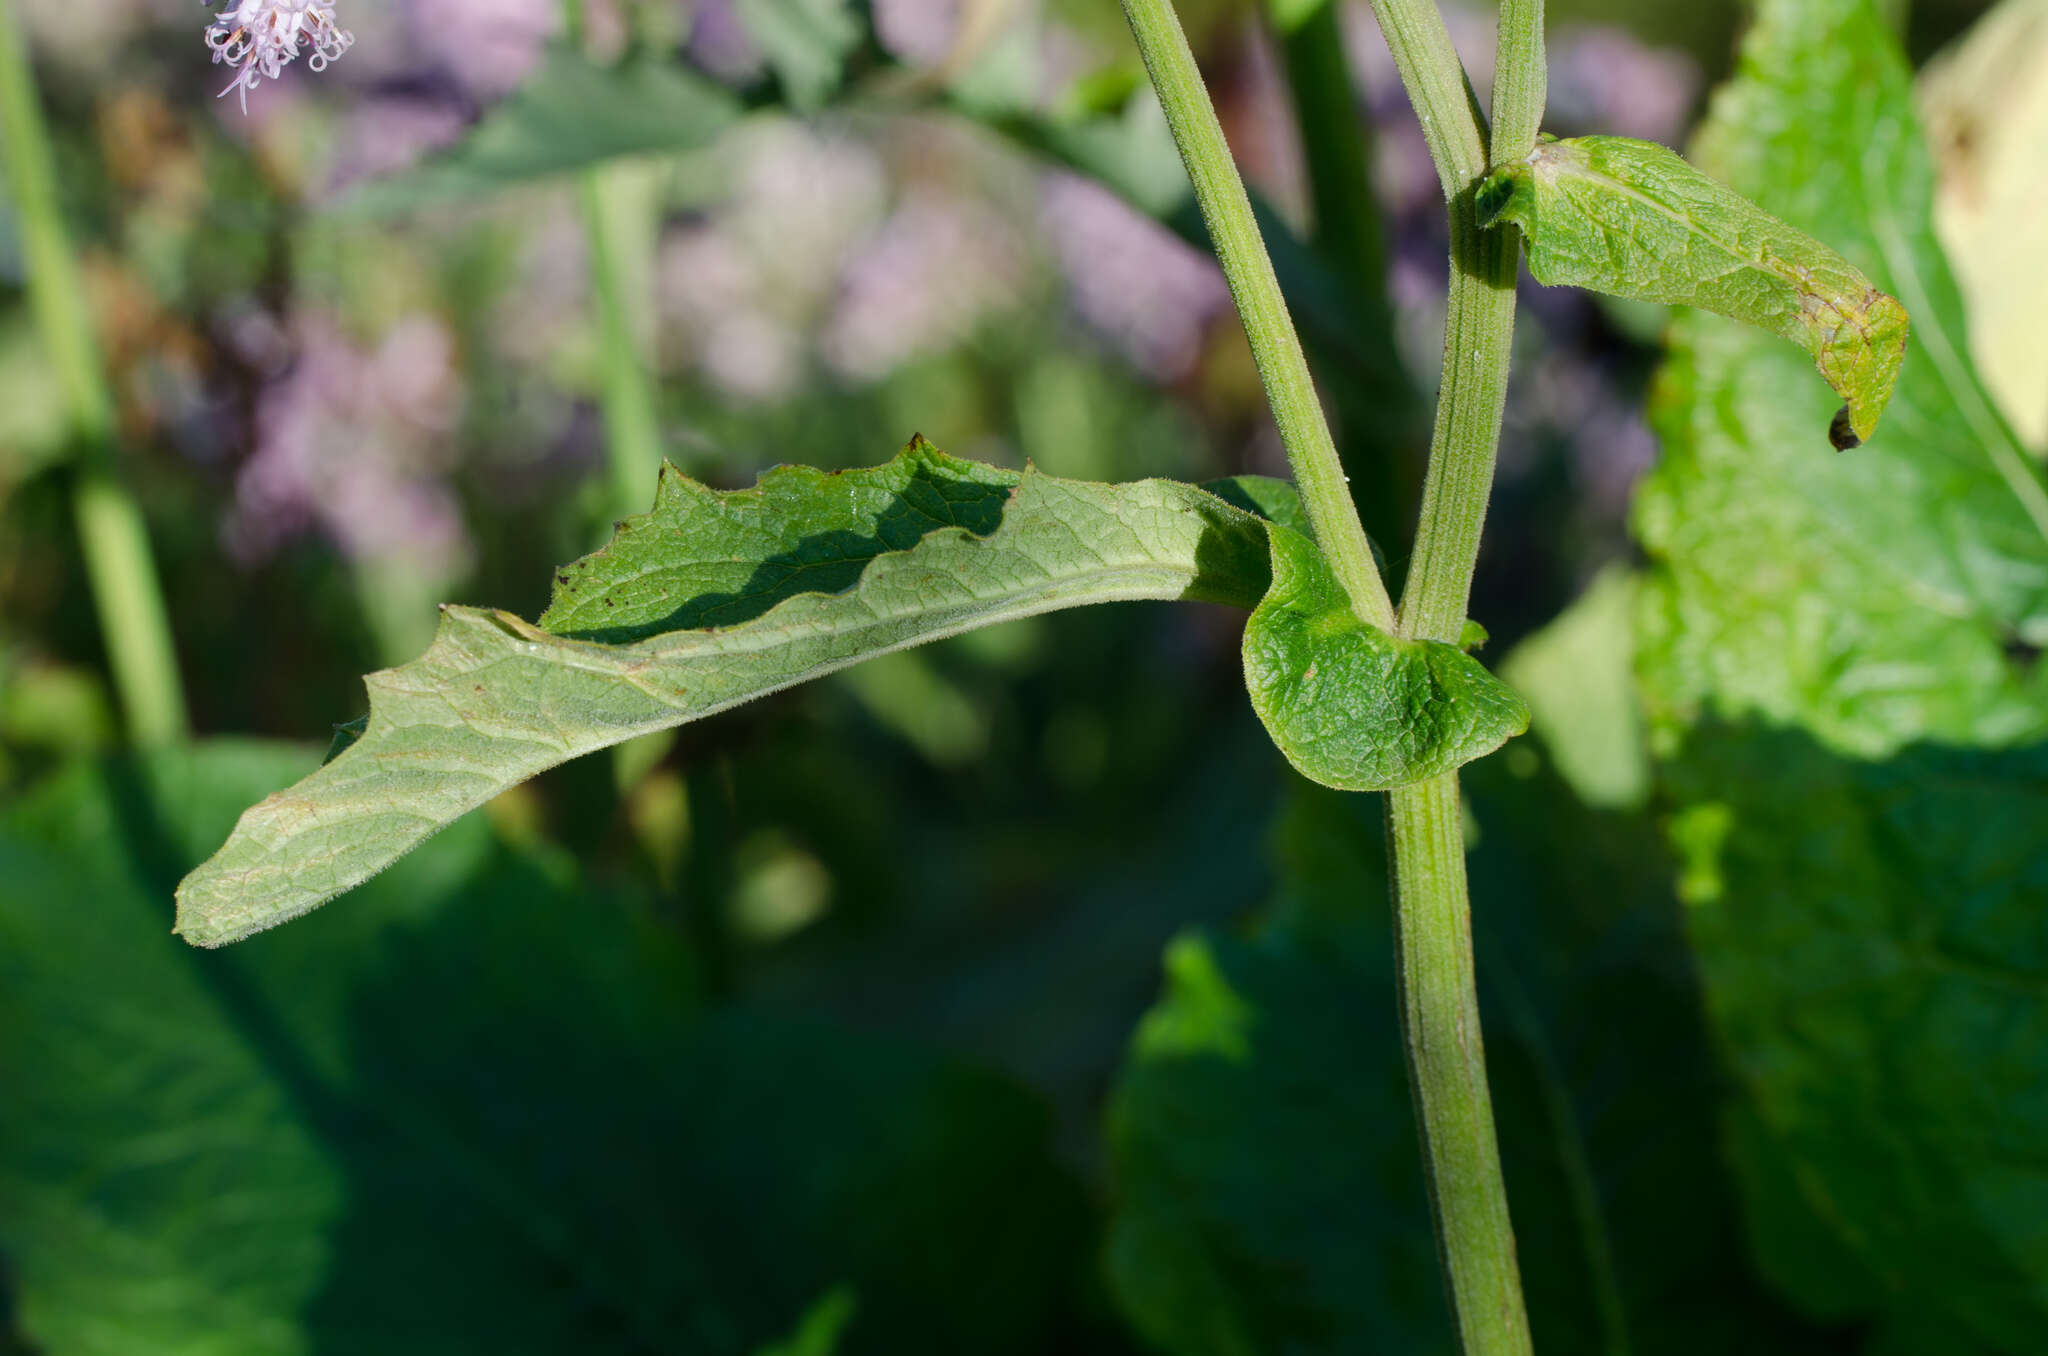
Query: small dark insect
[[1841, 432]]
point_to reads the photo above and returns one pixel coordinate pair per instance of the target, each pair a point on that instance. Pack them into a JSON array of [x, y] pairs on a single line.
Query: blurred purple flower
[[1152, 294], [1605, 80], [921, 282], [354, 443], [1574, 400], [720, 43], [380, 136], [489, 46], [917, 32]]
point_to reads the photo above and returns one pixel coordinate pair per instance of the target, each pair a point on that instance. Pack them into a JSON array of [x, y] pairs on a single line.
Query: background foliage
[[1010, 994]]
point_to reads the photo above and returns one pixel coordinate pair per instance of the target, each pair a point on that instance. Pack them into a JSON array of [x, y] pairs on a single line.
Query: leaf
[[806, 42], [479, 1110], [1267, 1194], [1631, 219], [1353, 707], [708, 601], [572, 114], [1578, 676], [1841, 667], [1872, 945], [1875, 601]]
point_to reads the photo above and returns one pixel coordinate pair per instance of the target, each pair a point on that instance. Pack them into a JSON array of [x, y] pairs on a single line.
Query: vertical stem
[[1282, 368], [631, 418], [1479, 326], [112, 534], [1333, 142], [1378, 417], [1433, 921], [1447, 1068], [632, 421]]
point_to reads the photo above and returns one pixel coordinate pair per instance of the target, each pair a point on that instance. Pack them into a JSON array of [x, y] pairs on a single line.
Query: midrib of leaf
[[432, 751]]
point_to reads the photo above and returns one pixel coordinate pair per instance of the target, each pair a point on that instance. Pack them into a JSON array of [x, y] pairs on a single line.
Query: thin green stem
[[111, 531], [1437, 87], [1433, 917], [632, 419], [1479, 325], [1447, 1068], [1345, 218], [1227, 212], [1478, 329], [1520, 80]]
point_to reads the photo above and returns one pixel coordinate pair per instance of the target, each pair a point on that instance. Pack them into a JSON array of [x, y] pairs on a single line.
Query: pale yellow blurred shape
[[1985, 102]]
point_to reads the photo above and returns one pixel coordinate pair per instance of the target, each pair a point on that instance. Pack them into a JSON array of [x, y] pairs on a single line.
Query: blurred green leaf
[[806, 43], [1630, 218], [481, 1111], [1841, 659], [1268, 1194], [706, 602], [1578, 676], [572, 114], [1353, 707]]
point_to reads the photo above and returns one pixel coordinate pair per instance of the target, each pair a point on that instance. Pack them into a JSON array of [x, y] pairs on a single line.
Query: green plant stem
[[1282, 368], [1479, 325], [632, 421], [1447, 1068], [111, 531], [1335, 151], [1433, 919]]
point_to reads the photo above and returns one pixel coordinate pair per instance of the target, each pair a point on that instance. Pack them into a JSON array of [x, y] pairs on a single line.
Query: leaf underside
[[1632, 219], [708, 601], [712, 599]]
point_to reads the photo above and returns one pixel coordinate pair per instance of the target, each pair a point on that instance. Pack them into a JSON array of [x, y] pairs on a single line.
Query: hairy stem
[[1228, 214], [1447, 1068], [1433, 920], [112, 534]]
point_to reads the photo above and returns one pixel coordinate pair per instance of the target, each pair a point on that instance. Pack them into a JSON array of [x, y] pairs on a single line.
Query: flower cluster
[[259, 38]]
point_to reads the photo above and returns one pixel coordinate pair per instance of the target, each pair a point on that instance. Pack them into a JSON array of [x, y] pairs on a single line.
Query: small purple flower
[[259, 38]]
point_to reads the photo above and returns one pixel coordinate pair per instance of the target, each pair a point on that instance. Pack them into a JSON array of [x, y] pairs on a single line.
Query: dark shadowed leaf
[[1268, 1190], [481, 1111]]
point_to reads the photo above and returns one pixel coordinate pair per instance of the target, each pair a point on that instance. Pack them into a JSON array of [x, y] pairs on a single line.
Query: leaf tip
[[1842, 431]]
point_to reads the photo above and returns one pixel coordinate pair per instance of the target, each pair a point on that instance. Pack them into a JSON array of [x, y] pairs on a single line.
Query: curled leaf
[[1353, 707], [1632, 219]]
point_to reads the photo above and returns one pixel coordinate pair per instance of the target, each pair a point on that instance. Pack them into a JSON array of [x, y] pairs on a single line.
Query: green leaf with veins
[[1353, 707], [1632, 219], [1874, 600], [1822, 644], [713, 599], [708, 601]]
